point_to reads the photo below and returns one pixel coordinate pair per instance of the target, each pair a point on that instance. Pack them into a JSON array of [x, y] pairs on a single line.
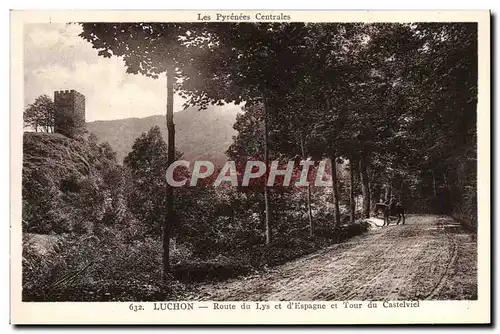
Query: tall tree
[[148, 164], [149, 49], [328, 46], [39, 115], [352, 187], [250, 62], [309, 210]]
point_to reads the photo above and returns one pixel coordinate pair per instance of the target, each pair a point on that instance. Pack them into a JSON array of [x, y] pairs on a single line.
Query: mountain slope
[[199, 134]]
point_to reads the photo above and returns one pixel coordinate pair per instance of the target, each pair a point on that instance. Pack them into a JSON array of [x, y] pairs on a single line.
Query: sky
[[56, 58]]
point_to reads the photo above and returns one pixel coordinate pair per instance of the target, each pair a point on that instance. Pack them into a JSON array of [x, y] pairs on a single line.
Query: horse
[[396, 209]]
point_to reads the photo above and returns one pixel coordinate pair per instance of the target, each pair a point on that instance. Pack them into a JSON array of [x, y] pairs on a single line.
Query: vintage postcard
[[250, 167]]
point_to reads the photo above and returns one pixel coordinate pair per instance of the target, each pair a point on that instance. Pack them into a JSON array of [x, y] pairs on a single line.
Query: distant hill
[[199, 134]]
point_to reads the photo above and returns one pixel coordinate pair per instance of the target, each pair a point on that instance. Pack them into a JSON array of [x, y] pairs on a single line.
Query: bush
[[41, 264], [91, 267], [465, 211]]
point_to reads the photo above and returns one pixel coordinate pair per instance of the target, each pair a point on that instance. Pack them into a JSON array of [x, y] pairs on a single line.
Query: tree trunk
[[365, 188], [335, 192], [309, 211], [388, 190], [375, 191], [445, 178], [434, 191], [401, 189], [352, 203], [266, 190], [170, 214]]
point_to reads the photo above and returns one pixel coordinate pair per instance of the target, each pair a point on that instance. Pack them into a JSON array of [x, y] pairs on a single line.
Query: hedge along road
[[430, 257]]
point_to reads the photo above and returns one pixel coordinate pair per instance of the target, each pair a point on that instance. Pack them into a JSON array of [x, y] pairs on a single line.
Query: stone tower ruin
[[69, 112]]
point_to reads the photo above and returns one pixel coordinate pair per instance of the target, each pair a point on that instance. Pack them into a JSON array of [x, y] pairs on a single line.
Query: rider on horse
[[393, 207], [392, 203]]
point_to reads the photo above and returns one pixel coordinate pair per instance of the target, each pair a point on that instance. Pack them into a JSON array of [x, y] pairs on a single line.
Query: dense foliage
[[39, 115]]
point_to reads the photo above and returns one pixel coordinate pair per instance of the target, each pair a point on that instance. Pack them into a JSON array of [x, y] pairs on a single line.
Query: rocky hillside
[[200, 135], [68, 185]]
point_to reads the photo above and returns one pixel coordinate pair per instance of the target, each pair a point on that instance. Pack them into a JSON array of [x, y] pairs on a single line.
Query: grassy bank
[[110, 268]]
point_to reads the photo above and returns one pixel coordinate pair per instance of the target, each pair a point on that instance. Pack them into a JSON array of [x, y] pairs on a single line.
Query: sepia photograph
[[249, 157]]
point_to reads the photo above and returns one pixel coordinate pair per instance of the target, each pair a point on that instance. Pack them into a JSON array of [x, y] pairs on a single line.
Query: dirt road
[[430, 257]]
